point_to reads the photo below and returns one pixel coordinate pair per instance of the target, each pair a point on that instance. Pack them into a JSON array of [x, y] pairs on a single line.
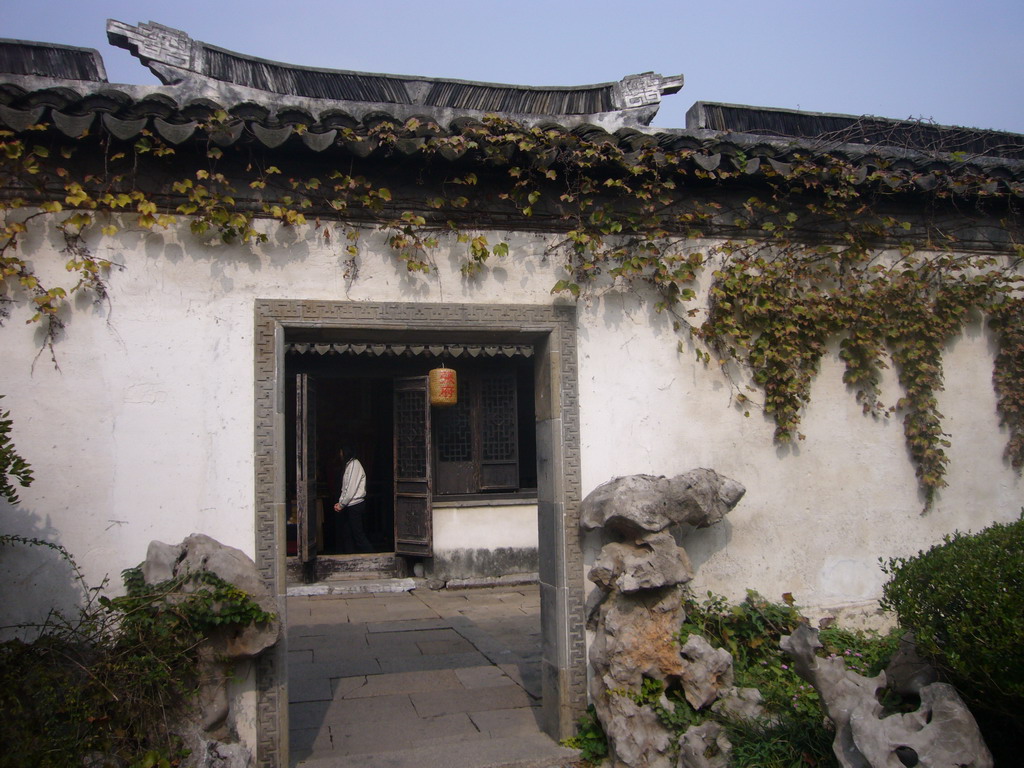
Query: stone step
[[357, 575], [381, 565], [355, 587], [376, 565]]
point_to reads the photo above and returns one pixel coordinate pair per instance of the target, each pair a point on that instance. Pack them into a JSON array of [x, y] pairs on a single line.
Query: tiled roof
[[24, 57], [718, 136], [848, 129]]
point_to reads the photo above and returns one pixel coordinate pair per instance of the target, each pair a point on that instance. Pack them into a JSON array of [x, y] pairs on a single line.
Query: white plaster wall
[[146, 429], [817, 515]]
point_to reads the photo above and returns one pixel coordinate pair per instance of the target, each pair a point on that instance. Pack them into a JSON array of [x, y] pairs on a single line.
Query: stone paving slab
[[506, 722], [400, 682], [350, 667], [404, 643], [309, 687], [472, 700], [437, 661], [331, 651], [406, 625], [457, 644], [384, 735], [299, 631], [482, 677], [345, 687], [304, 742], [527, 676], [393, 708]]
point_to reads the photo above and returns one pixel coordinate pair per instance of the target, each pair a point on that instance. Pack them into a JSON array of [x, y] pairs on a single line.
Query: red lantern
[[444, 387]]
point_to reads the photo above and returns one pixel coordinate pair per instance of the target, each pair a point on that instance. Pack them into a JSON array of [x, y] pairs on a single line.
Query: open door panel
[[307, 512], [413, 482]]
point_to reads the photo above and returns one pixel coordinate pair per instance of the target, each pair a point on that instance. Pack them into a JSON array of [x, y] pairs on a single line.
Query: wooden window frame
[[476, 475]]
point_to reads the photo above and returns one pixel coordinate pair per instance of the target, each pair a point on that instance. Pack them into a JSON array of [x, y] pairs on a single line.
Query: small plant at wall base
[[816, 251], [107, 686], [589, 739]]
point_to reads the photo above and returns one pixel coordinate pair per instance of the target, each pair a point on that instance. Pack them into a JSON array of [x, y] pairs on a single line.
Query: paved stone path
[[424, 678]]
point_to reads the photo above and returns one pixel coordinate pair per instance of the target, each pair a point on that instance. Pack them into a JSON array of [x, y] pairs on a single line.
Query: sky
[[953, 62]]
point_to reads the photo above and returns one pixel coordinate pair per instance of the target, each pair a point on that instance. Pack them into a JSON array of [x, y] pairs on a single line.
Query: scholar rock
[[941, 733], [639, 738], [636, 612], [907, 672], [199, 553], [635, 639]]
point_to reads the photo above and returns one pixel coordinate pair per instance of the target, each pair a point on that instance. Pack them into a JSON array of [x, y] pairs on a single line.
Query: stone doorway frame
[[552, 331]]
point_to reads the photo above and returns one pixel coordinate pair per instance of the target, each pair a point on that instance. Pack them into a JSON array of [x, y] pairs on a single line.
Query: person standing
[[351, 504]]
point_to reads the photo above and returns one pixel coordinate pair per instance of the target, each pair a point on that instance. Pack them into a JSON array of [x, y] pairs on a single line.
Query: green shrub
[[964, 602]]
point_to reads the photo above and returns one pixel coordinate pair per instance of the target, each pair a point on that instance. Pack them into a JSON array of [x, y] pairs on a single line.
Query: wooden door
[[413, 482], [305, 474]]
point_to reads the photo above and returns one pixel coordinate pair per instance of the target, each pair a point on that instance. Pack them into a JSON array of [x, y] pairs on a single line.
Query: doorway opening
[[479, 451], [551, 331]]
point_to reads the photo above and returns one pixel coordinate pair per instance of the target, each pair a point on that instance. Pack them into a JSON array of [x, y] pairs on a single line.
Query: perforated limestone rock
[[941, 733], [637, 611]]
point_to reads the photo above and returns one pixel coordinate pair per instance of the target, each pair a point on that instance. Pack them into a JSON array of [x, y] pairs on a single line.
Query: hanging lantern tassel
[[444, 387]]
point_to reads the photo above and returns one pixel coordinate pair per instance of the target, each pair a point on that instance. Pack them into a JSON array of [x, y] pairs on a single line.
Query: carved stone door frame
[[552, 331]]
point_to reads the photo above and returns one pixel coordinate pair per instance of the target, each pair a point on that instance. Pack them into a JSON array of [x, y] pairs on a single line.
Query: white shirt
[[353, 484]]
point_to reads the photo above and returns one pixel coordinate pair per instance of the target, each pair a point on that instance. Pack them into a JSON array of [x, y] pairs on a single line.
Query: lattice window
[[411, 450], [453, 430], [498, 418]]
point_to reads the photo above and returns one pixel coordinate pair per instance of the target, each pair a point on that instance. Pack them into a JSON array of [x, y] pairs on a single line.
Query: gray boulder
[[638, 504], [655, 562], [199, 553], [706, 671], [907, 672], [639, 738], [740, 704], [210, 736]]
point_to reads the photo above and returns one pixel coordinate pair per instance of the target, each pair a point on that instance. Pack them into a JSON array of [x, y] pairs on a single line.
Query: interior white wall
[[485, 527]]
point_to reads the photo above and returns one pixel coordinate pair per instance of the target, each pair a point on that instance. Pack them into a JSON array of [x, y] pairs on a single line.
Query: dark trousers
[[353, 534]]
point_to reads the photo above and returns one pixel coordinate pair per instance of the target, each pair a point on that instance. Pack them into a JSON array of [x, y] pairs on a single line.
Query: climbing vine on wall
[[889, 264]]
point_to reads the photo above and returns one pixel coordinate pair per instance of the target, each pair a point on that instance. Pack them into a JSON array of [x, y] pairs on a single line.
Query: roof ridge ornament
[[645, 89], [165, 50], [177, 59]]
